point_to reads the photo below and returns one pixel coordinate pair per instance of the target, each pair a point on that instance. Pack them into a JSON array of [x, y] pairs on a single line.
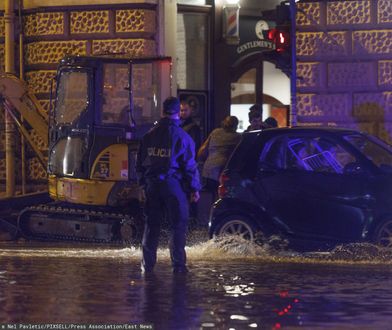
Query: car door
[[308, 191]]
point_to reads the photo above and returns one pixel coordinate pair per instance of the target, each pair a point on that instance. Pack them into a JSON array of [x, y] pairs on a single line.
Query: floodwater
[[232, 284]]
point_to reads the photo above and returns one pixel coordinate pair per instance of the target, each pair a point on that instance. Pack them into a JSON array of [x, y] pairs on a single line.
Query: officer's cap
[[171, 105]]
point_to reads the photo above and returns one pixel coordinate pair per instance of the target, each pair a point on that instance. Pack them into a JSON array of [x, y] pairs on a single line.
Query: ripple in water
[[219, 249]]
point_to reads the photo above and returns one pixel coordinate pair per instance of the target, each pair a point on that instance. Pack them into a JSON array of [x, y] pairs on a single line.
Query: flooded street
[[231, 285]]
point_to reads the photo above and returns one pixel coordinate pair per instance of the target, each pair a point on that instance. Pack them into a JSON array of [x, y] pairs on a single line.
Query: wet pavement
[[231, 285]]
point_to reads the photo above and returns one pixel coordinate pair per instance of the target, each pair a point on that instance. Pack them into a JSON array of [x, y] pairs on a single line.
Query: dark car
[[310, 185]]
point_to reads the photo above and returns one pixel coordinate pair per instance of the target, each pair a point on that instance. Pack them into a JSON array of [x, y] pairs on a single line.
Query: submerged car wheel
[[237, 225], [383, 233]]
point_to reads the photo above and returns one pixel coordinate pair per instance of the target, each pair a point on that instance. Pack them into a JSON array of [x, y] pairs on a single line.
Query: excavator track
[[62, 223]]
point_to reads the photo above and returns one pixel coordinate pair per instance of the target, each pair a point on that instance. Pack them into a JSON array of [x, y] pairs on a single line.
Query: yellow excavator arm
[[22, 105]]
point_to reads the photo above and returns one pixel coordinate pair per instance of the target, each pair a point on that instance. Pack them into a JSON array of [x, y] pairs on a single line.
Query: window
[[313, 154], [72, 96], [148, 82], [115, 107], [274, 156], [378, 153], [317, 154], [192, 48], [67, 155], [192, 2]]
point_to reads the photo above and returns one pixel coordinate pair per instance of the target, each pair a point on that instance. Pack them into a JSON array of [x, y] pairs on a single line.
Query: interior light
[[232, 2]]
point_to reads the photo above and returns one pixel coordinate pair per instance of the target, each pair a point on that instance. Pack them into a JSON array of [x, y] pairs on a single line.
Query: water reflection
[[232, 284]]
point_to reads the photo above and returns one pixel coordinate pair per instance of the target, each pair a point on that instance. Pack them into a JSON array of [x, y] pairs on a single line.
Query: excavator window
[[66, 157], [148, 82], [115, 101], [72, 96]]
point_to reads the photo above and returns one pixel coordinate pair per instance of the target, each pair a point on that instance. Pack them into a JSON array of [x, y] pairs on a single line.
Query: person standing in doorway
[[168, 172], [270, 122], [255, 116], [189, 125]]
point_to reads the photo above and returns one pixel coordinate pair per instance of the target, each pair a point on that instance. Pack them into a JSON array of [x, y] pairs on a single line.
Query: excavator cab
[[103, 106], [101, 109]]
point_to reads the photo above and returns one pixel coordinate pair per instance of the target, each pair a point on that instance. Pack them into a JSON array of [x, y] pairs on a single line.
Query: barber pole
[[231, 24]]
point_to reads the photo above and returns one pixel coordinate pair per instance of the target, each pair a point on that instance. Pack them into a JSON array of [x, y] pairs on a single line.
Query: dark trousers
[[165, 197]]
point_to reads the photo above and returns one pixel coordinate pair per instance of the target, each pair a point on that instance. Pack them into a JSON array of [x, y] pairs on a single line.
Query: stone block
[[53, 51], [303, 122], [41, 81], [2, 169], [40, 24], [348, 12], [385, 131], [309, 75], [308, 14], [46, 104], [2, 26], [2, 140], [384, 11], [321, 44], [35, 170], [2, 56], [385, 73], [349, 75], [135, 20], [37, 140], [131, 47], [372, 42], [323, 105], [372, 106], [96, 21]]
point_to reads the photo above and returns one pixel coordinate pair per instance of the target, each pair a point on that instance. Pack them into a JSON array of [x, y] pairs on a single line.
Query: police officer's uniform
[[167, 169]]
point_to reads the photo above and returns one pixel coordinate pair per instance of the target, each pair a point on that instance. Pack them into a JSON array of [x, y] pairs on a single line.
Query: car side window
[[317, 154], [273, 154]]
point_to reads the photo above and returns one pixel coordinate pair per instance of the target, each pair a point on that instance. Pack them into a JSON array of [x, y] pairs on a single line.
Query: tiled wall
[[344, 68]]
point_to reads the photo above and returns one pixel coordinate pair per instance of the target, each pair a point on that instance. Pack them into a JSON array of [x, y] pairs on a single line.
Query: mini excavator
[[102, 107]]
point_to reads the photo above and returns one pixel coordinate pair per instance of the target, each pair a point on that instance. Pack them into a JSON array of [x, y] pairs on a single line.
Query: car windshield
[[373, 149]]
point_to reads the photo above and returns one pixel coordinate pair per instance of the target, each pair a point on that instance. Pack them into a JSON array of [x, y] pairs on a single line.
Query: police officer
[[167, 169]]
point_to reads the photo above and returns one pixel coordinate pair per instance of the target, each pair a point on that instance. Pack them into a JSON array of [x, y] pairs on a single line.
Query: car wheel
[[383, 233], [237, 225]]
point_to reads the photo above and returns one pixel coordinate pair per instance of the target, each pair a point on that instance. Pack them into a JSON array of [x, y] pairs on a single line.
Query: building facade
[[344, 64], [342, 74]]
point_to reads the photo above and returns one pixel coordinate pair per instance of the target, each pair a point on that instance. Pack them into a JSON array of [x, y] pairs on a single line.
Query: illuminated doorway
[[263, 82]]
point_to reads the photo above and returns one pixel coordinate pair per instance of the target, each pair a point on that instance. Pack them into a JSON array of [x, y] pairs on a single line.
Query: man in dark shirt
[[167, 169], [189, 125], [255, 117]]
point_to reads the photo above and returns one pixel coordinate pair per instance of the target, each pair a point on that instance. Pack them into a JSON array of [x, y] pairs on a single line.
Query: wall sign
[[251, 38]]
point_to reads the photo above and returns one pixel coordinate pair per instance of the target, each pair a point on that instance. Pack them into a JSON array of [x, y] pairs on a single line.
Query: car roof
[[246, 149], [303, 129]]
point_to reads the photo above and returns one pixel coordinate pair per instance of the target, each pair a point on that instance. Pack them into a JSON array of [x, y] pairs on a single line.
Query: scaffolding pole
[[293, 80], [9, 124]]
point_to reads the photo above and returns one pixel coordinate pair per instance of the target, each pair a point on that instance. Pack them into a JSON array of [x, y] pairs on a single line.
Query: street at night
[[195, 164], [231, 285]]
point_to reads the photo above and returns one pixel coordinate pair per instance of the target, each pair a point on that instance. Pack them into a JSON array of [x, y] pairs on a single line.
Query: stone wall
[[344, 69], [2, 126], [50, 33]]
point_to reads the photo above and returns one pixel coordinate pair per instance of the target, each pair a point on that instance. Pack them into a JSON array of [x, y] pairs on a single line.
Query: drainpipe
[[9, 124], [21, 77], [167, 39], [293, 80]]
